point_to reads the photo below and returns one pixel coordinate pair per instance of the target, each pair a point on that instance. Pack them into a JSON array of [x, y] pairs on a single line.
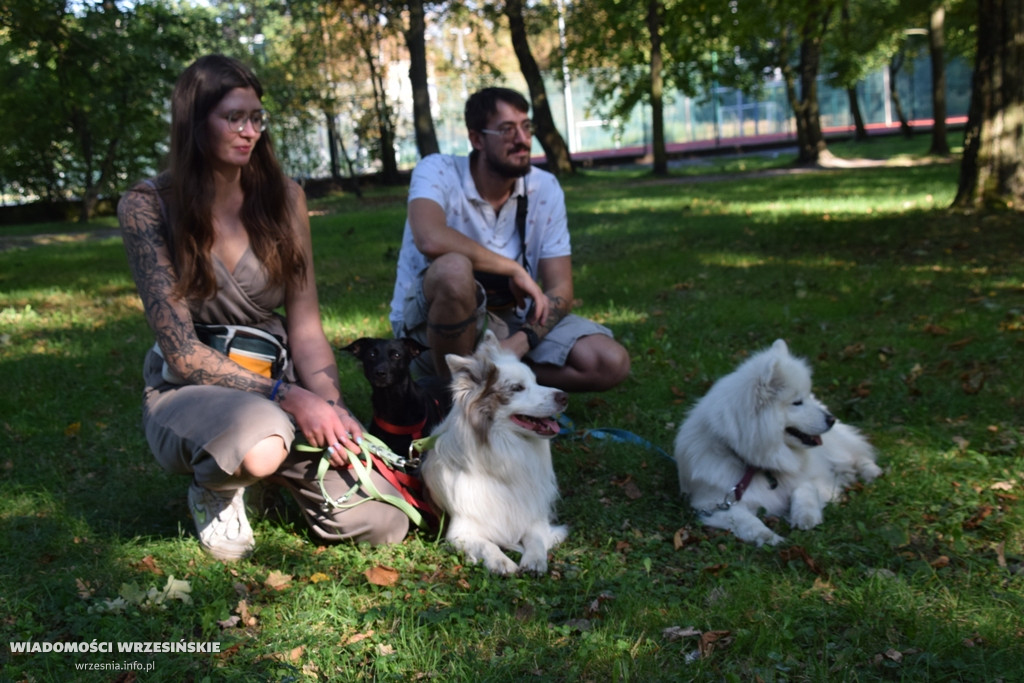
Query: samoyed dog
[[759, 439], [490, 467]]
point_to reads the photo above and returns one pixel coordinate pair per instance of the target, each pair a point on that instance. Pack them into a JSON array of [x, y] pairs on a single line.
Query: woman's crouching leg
[[371, 521]]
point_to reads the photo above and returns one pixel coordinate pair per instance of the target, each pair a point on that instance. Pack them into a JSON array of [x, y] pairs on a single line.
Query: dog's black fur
[[399, 401]]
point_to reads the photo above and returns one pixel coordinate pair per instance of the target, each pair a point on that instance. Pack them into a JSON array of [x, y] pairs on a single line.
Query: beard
[[508, 169]]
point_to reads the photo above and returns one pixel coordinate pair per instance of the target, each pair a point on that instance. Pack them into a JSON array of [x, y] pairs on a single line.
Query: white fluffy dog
[[759, 439], [490, 467]]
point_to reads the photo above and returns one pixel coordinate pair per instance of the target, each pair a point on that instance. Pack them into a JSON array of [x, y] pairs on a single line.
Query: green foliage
[[83, 107], [910, 314]]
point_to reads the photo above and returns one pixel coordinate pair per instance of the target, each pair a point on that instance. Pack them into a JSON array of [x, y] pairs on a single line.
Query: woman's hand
[[322, 424]]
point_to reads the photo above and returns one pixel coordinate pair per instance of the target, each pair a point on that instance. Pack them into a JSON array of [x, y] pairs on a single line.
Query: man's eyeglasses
[[507, 131], [236, 119]]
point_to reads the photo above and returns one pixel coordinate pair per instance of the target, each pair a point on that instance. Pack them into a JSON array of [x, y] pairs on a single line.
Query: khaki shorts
[[553, 349]]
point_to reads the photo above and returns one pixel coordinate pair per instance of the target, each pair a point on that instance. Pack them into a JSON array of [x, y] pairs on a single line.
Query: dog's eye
[[395, 355], [798, 403], [516, 387]]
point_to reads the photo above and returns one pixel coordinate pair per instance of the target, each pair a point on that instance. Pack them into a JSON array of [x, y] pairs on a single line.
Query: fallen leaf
[[85, 590], [381, 576], [243, 611], [230, 622], [798, 553], [674, 633], [936, 330], [148, 564], [357, 637], [894, 655], [710, 640], [683, 538], [940, 562], [318, 577], [73, 429], [278, 580], [631, 490]]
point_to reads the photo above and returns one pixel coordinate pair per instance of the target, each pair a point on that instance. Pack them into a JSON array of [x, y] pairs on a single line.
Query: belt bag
[[252, 348]]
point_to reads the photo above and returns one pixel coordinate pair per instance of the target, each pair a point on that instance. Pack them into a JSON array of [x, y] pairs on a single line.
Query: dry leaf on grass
[[356, 638], [381, 576], [278, 580], [148, 564]]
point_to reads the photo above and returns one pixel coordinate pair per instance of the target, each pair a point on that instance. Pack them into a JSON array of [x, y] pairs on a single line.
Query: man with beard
[[486, 246]]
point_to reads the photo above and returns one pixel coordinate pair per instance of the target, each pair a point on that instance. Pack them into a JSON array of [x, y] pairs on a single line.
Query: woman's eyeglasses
[[236, 119]]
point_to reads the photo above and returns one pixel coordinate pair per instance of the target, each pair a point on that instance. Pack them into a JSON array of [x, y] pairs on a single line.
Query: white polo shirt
[[446, 180]]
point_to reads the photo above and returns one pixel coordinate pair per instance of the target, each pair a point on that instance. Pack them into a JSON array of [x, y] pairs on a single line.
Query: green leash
[[370, 446]]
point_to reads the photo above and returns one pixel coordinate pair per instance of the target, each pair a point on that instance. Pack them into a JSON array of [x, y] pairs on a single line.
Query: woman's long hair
[[266, 205]]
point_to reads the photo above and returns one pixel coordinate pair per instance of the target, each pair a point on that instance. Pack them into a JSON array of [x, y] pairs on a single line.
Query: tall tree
[[415, 41], [550, 139], [937, 51], [789, 35], [92, 81], [634, 53], [991, 172]]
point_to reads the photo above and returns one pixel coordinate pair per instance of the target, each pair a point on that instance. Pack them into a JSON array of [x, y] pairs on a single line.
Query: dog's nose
[[830, 419], [562, 398]]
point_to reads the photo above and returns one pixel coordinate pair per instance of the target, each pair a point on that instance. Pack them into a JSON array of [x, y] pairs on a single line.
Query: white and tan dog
[[759, 439], [490, 468]]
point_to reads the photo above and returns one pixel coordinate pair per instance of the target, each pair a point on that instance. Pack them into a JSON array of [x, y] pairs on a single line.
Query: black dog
[[403, 410]]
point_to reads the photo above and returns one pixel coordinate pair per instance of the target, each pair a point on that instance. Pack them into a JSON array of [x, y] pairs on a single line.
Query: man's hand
[[523, 286]]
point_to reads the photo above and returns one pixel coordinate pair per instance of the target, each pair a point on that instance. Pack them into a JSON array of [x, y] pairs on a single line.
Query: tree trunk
[[332, 144], [860, 131], [657, 88], [389, 162], [936, 48], [423, 121], [555, 149], [991, 173], [810, 141], [895, 64]]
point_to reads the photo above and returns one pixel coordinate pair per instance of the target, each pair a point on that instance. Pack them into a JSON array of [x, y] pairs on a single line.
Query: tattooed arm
[[556, 276], [168, 316]]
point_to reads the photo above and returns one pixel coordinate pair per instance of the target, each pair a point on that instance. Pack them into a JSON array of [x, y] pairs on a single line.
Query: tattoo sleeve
[[168, 316]]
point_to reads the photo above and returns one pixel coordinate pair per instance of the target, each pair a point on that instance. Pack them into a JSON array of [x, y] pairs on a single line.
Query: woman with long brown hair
[[223, 238]]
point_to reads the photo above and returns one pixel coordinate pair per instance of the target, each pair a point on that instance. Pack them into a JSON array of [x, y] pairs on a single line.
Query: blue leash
[[568, 430]]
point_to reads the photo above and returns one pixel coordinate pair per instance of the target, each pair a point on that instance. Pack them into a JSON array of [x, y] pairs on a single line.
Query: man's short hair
[[482, 104]]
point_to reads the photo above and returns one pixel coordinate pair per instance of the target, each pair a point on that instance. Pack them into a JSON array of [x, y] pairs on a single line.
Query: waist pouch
[[497, 289], [254, 349]]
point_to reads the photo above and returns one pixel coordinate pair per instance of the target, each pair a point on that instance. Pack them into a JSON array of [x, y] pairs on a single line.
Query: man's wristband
[[531, 337]]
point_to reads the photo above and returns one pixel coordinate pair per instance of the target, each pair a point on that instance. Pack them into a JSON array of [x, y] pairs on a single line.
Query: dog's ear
[[489, 341], [413, 347], [457, 363], [780, 347], [359, 346]]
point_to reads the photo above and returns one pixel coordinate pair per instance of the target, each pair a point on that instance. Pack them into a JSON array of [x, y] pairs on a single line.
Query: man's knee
[[449, 278], [604, 361]]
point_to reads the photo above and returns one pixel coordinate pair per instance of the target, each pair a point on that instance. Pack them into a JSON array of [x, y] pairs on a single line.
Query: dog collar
[[414, 430]]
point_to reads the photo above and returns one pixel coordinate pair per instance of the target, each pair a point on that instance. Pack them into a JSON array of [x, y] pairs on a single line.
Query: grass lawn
[[912, 316]]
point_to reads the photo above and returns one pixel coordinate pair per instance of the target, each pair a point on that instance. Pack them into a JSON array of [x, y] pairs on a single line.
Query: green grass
[[912, 316]]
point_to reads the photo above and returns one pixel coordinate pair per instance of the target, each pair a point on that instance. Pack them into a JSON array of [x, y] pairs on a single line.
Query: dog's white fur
[[490, 469], [742, 421]]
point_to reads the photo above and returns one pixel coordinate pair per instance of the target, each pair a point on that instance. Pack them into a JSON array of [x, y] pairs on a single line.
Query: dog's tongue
[[544, 426]]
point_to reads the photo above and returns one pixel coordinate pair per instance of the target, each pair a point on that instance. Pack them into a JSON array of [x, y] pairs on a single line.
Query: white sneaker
[[220, 519]]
